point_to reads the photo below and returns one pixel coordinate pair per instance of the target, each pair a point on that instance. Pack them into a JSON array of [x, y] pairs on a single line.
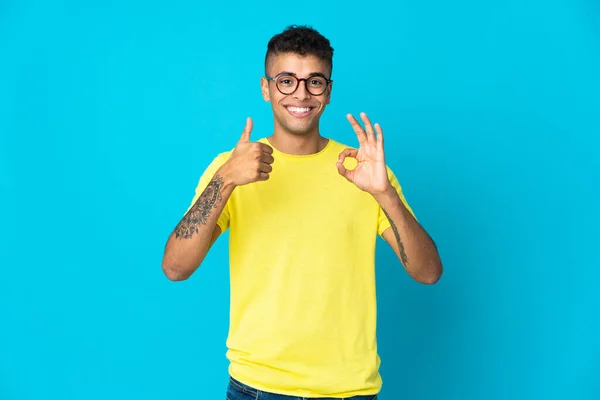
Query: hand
[[250, 161], [370, 173]]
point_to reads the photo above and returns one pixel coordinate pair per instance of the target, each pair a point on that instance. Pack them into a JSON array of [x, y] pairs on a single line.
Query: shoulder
[[220, 158], [217, 161]]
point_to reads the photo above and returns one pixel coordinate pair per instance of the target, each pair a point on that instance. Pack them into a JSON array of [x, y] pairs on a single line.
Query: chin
[[297, 129], [300, 130]]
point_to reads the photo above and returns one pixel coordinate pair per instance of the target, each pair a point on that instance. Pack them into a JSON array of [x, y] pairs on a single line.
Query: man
[[304, 212]]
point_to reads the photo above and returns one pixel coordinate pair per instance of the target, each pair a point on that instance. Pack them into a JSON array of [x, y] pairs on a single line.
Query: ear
[[264, 86]]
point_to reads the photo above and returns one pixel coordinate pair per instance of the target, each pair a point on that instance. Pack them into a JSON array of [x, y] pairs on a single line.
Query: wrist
[[225, 174], [388, 197]]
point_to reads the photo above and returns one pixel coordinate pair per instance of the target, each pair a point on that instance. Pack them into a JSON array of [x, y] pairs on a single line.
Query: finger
[[263, 176], [263, 167], [379, 136], [369, 128], [347, 153], [267, 158], [348, 174], [247, 130], [360, 133], [265, 148]]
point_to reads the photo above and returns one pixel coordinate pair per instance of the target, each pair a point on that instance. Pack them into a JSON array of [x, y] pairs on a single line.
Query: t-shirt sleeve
[[384, 222], [205, 178]]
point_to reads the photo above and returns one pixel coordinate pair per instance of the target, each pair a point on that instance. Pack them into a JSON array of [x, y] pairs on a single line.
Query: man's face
[[299, 112]]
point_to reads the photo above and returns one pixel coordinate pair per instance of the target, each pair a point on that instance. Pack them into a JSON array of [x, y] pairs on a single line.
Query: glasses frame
[[274, 79]]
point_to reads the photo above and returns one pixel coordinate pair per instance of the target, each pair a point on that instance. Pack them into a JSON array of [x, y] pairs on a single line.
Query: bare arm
[[191, 239], [413, 246], [411, 243]]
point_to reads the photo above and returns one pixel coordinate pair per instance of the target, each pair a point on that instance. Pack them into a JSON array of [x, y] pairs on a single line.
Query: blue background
[[109, 112]]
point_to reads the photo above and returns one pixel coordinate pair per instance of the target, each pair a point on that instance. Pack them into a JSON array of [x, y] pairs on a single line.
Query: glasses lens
[[316, 85], [287, 84]]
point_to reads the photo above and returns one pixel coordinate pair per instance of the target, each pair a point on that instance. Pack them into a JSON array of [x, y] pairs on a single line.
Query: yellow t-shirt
[[302, 270]]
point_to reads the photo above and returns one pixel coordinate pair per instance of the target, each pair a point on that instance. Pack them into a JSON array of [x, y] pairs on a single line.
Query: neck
[[298, 145]]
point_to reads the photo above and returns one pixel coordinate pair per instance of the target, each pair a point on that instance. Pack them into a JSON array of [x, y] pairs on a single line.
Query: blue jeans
[[239, 391]]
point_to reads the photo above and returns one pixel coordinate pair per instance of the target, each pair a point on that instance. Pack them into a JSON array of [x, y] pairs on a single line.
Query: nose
[[301, 92]]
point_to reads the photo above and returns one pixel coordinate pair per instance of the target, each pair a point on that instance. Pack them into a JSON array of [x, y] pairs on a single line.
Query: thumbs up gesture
[[250, 161]]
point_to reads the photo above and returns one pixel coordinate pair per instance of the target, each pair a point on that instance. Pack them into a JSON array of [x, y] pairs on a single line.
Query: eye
[[317, 82], [286, 81]]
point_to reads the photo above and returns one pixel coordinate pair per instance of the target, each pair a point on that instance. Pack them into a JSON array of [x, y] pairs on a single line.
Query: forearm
[[411, 243], [191, 239]]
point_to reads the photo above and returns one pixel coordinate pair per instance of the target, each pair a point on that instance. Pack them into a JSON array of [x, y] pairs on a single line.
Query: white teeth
[[299, 110]]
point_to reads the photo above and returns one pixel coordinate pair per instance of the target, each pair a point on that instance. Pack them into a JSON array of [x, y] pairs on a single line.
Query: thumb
[[346, 173], [247, 130]]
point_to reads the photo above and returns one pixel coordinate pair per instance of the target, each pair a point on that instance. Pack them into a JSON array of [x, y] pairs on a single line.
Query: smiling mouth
[[299, 111]]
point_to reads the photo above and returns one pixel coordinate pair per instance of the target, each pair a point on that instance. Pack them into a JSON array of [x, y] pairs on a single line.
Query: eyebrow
[[309, 75]]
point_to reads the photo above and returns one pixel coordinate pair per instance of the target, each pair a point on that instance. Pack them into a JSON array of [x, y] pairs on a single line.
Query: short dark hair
[[302, 40]]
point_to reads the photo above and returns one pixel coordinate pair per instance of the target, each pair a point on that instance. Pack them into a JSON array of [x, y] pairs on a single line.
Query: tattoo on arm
[[200, 211], [397, 235]]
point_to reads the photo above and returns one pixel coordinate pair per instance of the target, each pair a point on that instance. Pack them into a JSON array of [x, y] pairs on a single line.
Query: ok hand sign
[[370, 173]]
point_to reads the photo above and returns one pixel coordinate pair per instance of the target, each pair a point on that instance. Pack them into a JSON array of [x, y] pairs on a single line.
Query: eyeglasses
[[288, 84]]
